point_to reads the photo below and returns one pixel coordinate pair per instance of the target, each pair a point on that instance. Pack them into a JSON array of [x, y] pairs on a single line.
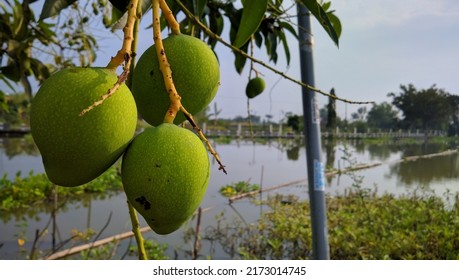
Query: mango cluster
[[165, 168]]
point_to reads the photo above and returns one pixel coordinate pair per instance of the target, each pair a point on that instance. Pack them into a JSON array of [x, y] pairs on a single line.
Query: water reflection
[[275, 161], [14, 146], [424, 172]]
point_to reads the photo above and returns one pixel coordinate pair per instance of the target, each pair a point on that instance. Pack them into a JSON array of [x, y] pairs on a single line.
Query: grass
[[361, 225], [34, 189]]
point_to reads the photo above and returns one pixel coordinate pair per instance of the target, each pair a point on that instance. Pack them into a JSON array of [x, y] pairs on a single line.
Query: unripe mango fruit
[[77, 149], [254, 87], [165, 173], [195, 72]]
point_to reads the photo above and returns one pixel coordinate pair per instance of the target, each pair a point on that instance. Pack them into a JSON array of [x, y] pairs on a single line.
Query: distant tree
[[295, 122], [382, 116], [425, 109], [215, 114], [360, 115], [453, 128], [331, 112]]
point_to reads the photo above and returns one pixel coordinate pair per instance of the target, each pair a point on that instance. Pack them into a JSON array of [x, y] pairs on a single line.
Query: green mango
[[196, 75], [254, 87], [77, 149], [165, 173]]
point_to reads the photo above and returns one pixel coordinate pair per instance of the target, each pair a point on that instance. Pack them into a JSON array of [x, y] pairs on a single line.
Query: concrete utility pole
[[311, 116]]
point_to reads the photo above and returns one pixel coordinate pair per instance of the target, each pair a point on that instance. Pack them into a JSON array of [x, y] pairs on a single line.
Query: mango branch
[[214, 36], [169, 16], [124, 55], [174, 97], [165, 67], [125, 52], [137, 233], [201, 135]]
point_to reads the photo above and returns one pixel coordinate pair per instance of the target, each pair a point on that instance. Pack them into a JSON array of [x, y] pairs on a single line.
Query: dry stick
[[123, 55], [342, 171], [174, 97], [80, 248], [239, 51], [242, 195], [116, 237], [197, 239]]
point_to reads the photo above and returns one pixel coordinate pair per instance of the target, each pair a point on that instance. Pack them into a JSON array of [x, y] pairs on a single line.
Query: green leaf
[[119, 19], [335, 22], [289, 27], [323, 17], [198, 7], [285, 44], [252, 15], [121, 5], [11, 71], [53, 7]]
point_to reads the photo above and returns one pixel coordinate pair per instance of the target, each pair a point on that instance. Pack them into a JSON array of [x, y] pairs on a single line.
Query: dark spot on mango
[[144, 202]]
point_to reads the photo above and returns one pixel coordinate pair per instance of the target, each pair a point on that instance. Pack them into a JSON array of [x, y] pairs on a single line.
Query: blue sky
[[385, 43]]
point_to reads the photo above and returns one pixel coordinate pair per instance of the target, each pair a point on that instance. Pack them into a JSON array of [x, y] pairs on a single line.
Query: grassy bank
[[361, 225]]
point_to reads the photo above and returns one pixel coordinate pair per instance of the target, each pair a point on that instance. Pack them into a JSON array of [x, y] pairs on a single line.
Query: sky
[[384, 44]]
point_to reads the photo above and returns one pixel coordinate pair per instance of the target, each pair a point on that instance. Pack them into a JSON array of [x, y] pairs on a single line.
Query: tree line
[[411, 108]]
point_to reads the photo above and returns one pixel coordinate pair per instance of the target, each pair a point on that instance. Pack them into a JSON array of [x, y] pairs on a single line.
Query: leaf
[[285, 44], [119, 20], [335, 22], [289, 27], [121, 5], [53, 7], [323, 17], [11, 71], [198, 7], [252, 15]]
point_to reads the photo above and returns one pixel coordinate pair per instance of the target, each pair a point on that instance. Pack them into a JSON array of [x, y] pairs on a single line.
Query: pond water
[[267, 163]]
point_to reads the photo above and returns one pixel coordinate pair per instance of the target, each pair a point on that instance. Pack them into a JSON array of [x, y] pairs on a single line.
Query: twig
[[137, 232], [169, 16], [241, 52], [80, 248], [101, 231], [121, 236], [165, 67], [174, 97], [121, 79], [128, 31], [123, 55], [242, 195], [203, 138], [197, 239]]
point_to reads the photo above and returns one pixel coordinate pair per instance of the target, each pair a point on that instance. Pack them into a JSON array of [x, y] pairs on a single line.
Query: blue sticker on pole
[[319, 176]]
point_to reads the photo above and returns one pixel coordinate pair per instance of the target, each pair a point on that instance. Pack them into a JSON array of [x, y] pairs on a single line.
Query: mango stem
[[175, 103], [137, 234], [169, 16], [165, 67], [203, 138], [123, 55]]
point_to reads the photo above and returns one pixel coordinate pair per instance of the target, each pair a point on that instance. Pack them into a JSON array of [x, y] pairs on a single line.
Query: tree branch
[[241, 52]]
